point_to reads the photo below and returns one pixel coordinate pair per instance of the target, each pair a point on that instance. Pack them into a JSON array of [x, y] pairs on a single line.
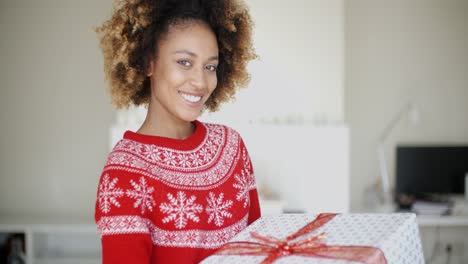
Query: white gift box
[[396, 235]]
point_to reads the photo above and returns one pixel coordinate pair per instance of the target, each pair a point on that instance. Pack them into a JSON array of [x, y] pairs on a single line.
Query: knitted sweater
[[163, 200]]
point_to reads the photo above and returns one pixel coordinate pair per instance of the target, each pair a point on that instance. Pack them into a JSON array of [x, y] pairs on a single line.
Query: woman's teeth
[[191, 98]]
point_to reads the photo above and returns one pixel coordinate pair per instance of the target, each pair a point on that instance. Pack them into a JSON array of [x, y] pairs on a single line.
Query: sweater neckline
[[191, 142]]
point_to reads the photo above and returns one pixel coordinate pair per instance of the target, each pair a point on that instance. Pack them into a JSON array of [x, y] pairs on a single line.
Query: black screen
[[431, 169]]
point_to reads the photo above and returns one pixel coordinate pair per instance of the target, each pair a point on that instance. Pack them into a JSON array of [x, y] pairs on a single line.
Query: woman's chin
[[190, 116]]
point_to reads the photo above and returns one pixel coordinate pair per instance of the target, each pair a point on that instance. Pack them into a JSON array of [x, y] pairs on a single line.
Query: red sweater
[[163, 200]]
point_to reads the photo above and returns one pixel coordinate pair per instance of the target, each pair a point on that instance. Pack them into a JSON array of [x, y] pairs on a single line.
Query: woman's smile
[[191, 98]]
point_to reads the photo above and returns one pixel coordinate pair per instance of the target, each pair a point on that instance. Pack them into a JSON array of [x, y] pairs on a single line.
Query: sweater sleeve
[[122, 205], [254, 210]]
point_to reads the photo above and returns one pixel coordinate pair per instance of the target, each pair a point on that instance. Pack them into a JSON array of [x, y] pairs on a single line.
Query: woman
[[177, 189]]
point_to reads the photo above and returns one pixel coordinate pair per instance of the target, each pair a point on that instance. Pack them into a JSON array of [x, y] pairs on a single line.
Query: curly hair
[[129, 40]]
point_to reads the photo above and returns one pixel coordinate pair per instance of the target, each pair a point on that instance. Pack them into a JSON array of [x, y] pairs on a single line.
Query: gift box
[[326, 239]]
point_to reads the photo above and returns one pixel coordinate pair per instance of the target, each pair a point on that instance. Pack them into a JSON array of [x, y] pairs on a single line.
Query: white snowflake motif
[[142, 195], [180, 209], [244, 182], [152, 152], [222, 237], [217, 130], [184, 160], [205, 154], [169, 158], [169, 238], [236, 229], [210, 146], [191, 237], [108, 194], [122, 159], [132, 146], [138, 163], [196, 161], [217, 139], [130, 223], [218, 209], [246, 162], [105, 224]]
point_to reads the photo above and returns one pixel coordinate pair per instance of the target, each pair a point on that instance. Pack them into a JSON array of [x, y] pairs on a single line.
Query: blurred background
[[336, 82]]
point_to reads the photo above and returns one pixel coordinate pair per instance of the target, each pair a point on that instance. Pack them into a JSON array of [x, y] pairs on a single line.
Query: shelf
[[71, 243], [444, 220]]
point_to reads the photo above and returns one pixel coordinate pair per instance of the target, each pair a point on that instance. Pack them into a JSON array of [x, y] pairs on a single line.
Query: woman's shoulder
[[124, 144], [232, 135]]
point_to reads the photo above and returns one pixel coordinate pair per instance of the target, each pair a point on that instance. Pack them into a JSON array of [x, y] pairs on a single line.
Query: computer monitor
[[428, 170]]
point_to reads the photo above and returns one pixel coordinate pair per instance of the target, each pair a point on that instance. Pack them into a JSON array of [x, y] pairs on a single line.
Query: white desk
[[445, 220], [458, 218], [439, 231]]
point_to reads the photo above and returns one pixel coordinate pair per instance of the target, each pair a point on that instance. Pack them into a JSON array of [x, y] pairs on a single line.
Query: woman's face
[[183, 74]]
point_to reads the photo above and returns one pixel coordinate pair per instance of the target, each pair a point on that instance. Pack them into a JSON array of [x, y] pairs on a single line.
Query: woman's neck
[[158, 124]]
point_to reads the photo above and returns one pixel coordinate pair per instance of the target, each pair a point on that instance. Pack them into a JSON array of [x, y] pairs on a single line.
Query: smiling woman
[[176, 189]]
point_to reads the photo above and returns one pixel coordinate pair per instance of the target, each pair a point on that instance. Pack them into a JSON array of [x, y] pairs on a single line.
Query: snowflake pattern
[[142, 195], [218, 209], [205, 154], [180, 209], [202, 166], [184, 161], [193, 238], [219, 157], [152, 152], [169, 158], [244, 182], [196, 160], [108, 194], [211, 147]]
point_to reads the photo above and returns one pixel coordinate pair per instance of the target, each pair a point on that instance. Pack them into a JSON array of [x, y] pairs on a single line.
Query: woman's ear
[[149, 70]]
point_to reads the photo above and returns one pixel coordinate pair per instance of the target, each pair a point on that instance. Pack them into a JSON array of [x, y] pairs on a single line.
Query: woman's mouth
[[190, 97]]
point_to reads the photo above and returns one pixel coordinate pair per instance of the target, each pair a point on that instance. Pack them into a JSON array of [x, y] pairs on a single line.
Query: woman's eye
[[211, 67], [185, 63]]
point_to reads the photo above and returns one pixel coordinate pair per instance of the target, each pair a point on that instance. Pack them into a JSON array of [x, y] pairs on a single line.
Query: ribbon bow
[[314, 246]]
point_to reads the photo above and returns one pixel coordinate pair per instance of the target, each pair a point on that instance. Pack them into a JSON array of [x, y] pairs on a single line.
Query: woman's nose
[[198, 79]]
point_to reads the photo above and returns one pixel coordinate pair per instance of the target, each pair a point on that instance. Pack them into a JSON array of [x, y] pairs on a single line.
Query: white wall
[[54, 111], [301, 67], [398, 50]]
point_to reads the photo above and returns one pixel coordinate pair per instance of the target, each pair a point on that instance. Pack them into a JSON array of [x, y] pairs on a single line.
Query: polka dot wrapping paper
[[395, 235]]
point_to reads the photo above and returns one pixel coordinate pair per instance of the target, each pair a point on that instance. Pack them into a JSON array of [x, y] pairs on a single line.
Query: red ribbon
[[313, 246]]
